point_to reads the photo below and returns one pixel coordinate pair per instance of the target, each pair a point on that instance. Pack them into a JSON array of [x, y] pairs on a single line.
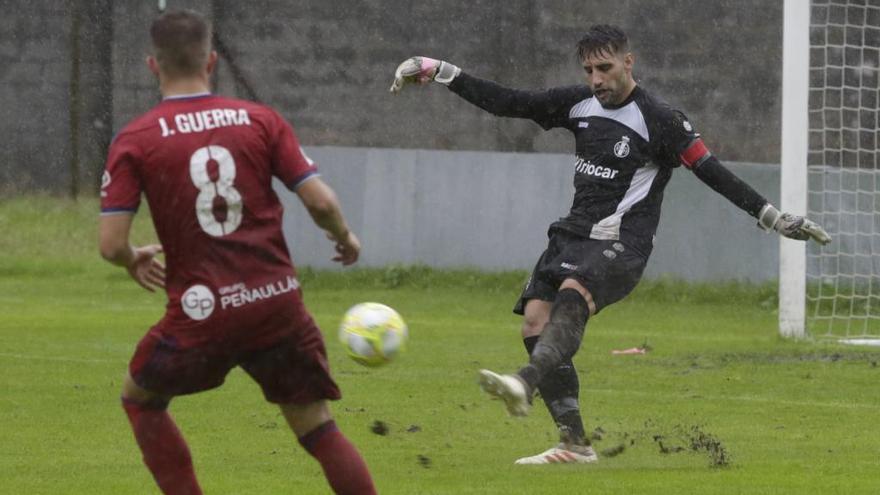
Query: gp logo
[[198, 302]]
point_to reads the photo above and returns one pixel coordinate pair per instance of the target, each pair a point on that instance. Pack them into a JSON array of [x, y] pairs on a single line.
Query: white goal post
[[793, 174], [831, 168]]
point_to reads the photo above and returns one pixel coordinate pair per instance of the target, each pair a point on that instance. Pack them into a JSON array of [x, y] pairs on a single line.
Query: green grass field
[[765, 415]]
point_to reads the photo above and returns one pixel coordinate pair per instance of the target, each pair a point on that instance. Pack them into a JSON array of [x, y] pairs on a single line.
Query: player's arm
[[547, 107], [120, 196], [298, 172], [710, 170], [323, 206], [140, 262]]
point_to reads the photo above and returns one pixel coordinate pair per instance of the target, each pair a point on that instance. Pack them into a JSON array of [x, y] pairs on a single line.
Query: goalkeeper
[[627, 143]]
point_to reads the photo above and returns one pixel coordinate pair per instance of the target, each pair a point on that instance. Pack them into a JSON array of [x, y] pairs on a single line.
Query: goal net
[[842, 282]]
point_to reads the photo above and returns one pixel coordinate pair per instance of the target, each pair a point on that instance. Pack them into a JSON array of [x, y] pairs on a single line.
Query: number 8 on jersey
[[209, 190]]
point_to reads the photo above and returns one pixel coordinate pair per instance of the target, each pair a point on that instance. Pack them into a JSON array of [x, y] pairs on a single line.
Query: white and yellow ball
[[373, 334]]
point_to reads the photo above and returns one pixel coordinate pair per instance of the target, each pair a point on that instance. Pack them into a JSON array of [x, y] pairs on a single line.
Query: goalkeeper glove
[[422, 70], [791, 226]]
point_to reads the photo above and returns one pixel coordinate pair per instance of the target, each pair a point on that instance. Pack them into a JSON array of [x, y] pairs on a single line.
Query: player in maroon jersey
[[205, 164]]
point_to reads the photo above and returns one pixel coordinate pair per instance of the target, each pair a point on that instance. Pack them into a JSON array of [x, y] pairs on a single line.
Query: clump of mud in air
[[708, 443], [613, 451]]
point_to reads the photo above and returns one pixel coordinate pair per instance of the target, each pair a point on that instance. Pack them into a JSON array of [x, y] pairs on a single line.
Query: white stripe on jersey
[[629, 115], [609, 227]]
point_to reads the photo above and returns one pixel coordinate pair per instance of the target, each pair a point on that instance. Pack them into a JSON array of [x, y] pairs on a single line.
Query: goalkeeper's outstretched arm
[[543, 106], [710, 170]]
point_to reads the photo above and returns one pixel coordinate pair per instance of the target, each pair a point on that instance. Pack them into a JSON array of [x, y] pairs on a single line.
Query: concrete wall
[[491, 210], [327, 65], [33, 94]]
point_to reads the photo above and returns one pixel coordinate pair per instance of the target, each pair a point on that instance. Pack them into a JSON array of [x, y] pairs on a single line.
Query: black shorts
[[608, 269]]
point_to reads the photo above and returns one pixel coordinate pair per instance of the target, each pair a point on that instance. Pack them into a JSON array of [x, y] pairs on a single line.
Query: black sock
[[559, 390], [560, 339]]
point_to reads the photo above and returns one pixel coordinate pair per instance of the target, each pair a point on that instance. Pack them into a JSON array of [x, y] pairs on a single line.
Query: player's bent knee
[[532, 327], [132, 392], [304, 418], [571, 283], [537, 314]]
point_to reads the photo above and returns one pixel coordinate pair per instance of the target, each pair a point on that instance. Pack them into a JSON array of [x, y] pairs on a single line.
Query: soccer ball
[[372, 333]]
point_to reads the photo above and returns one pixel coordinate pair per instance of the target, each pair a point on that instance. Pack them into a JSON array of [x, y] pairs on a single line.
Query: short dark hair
[[602, 39], [181, 41]]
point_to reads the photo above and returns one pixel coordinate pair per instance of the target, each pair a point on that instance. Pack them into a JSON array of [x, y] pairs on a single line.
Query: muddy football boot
[[510, 389]]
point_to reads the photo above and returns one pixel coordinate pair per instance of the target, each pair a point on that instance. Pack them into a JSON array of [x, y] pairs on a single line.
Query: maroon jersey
[[205, 165]]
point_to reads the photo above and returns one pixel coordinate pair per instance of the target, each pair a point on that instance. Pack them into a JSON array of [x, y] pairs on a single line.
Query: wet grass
[[719, 405]]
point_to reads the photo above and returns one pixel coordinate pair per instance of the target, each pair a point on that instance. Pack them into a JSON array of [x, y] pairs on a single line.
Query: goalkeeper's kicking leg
[[559, 391], [557, 344], [551, 371], [561, 337], [572, 281]]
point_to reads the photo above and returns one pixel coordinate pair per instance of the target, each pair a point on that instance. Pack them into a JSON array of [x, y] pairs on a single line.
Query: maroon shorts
[[277, 343]]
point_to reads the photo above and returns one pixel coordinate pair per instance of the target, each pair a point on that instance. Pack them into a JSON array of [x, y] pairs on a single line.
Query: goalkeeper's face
[[609, 75]]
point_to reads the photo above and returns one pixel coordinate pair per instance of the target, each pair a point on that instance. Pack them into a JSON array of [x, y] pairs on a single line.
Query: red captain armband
[[694, 154]]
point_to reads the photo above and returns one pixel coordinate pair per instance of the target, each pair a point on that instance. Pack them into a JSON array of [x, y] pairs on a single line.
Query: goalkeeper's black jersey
[[624, 155]]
